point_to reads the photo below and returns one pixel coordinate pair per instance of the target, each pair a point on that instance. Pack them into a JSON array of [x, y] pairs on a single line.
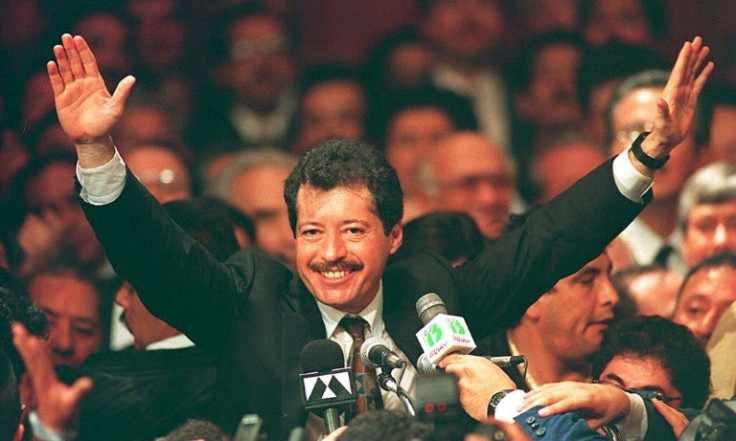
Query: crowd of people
[[185, 205]]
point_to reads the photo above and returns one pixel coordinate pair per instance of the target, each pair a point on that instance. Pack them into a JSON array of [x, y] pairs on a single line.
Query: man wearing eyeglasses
[[631, 111], [651, 353]]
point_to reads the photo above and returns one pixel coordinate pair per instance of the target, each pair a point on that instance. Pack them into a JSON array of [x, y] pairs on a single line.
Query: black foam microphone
[[374, 352], [327, 386]]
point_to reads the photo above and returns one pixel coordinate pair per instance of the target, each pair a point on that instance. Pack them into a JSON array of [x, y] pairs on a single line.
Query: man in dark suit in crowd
[[345, 207]]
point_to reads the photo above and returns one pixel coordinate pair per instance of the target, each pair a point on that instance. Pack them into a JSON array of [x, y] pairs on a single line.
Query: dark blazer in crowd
[[142, 395]]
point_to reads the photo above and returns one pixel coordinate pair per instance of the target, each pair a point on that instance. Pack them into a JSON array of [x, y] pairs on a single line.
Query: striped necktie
[[365, 377]]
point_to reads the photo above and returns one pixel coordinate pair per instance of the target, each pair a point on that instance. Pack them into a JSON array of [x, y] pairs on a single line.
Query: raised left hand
[[676, 106]]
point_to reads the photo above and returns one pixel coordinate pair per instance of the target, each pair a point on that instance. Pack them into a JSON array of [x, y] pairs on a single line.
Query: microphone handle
[[332, 419]]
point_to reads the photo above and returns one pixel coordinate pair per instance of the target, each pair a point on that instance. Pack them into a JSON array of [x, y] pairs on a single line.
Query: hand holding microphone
[[442, 334]]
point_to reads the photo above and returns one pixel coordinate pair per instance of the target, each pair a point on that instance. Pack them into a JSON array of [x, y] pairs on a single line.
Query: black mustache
[[349, 265]]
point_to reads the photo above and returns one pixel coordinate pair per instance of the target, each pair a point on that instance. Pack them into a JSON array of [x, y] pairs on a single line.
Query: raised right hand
[[86, 110], [58, 403]]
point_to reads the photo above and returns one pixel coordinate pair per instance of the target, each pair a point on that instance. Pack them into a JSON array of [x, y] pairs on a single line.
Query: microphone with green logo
[[442, 334]]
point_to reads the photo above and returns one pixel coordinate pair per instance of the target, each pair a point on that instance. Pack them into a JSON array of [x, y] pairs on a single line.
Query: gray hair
[[712, 184], [250, 159]]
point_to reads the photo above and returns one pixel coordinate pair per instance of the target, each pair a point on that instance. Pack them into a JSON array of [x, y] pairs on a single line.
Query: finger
[[695, 49], [57, 84], [679, 71], [558, 407], [700, 59], [89, 63], [75, 63], [80, 388], [663, 109], [122, 91], [538, 398], [35, 356], [63, 64], [450, 359], [701, 80], [674, 418], [454, 368]]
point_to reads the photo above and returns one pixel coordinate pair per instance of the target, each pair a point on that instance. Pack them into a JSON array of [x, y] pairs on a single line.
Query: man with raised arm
[[345, 209]]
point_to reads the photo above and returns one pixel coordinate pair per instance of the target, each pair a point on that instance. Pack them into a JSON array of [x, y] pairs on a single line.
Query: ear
[[396, 237]]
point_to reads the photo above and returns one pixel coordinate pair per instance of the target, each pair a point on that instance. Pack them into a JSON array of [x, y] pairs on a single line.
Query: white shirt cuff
[[508, 408], [102, 185], [634, 425], [629, 181]]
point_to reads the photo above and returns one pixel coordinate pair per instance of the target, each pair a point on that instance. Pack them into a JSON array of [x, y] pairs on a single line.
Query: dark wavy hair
[[683, 358], [343, 163]]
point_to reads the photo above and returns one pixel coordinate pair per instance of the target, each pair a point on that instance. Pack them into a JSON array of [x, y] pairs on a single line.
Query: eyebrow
[[615, 378], [653, 388], [75, 319], [585, 272]]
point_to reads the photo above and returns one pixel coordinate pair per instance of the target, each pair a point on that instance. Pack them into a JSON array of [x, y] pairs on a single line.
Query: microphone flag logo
[[328, 389]]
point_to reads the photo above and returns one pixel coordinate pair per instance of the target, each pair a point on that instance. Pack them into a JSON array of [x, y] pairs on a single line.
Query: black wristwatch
[[648, 161], [495, 399]]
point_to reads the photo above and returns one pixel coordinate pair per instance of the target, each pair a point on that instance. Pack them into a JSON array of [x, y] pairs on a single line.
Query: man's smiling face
[[341, 247]]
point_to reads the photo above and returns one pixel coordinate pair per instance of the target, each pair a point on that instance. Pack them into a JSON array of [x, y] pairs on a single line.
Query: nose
[[705, 328], [492, 190], [334, 248], [720, 238], [121, 297], [608, 295], [61, 339]]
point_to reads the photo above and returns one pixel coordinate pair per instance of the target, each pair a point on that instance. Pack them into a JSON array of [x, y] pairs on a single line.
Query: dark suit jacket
[[255, 316], [141, 395]]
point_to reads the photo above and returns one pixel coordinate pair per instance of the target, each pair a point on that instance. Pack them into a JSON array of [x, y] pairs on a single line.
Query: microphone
[[327, 386], [509, 360], [374, 352], [426, 367], [442, 334]]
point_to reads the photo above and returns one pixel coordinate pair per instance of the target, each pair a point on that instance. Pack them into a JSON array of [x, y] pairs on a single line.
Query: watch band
[[648, 161], [495, 399]]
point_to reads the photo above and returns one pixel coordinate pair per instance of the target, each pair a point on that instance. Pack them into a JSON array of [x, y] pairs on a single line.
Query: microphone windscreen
[[426, 367], [322, 356], [365, 351], [429, 306]]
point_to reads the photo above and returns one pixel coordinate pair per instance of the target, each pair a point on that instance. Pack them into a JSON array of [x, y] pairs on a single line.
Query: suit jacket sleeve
[[177, 279], [565, 426], [555, 240]]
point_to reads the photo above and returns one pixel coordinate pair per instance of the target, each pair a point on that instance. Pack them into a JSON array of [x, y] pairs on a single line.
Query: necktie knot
[[355, 327]]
